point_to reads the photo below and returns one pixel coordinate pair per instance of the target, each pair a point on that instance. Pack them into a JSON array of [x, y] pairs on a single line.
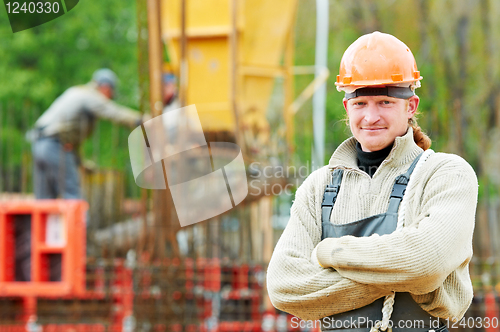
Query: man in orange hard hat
[[381, 237]]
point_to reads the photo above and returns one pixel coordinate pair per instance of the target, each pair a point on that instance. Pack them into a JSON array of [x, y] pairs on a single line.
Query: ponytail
[[420, 138]]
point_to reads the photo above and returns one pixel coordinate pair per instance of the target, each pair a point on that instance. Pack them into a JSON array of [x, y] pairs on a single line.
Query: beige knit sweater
[[428, 258]]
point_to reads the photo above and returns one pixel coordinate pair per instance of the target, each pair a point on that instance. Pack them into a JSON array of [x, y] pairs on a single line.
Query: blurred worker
[[382, 236], [181, 126], [65, 125], [170, 92], [170, 103], [57, 135]]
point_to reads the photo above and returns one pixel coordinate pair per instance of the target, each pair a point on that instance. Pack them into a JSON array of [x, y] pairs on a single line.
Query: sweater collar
[[404, 151]]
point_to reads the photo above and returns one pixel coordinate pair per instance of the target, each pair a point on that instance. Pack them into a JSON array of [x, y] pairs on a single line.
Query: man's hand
[[144, 117], [89, 166], [314, 257]]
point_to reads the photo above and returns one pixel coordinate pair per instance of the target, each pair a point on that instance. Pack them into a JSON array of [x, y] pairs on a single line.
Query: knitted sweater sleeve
[[419, 258], [299, 287]]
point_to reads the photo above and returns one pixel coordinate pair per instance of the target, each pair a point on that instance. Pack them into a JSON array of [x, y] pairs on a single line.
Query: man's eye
[[359, 103], [385, 102]]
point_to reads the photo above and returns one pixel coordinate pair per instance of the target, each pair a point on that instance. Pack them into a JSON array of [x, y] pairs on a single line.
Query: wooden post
[[266, 214], [183, 77], [155, 57], [289, 91], [165, 224], [142, 54], [155, 100], [255, 232], [261, 229], [233, 56]]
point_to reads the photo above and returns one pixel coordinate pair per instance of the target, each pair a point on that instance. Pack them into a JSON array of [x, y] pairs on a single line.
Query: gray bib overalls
[[405, 308]]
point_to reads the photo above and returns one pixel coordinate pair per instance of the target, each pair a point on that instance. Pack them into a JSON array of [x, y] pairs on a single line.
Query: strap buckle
[[330, 195], [399, 188], [330, 188]]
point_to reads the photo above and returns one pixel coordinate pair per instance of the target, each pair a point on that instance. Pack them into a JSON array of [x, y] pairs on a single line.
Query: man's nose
[[372, 114]]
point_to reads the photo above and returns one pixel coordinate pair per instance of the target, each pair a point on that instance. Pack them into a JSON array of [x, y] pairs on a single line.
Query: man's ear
[[413, 102], [344, 101]]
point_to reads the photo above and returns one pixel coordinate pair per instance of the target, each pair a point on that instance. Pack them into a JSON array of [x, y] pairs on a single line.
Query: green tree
[[40, 63]]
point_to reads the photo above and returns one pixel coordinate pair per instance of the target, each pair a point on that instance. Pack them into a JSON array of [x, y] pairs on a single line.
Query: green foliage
[[15, 137], [46, 60], [40, 63]]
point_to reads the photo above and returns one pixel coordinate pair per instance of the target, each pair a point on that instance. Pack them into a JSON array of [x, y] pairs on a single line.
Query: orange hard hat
[[377, 59]]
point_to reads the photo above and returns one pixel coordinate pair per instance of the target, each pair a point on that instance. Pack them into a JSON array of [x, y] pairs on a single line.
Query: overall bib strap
[[399, 188], [330, 195]]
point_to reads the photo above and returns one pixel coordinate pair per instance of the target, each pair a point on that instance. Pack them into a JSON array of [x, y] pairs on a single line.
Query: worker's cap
[[169, 78], [105, 76]]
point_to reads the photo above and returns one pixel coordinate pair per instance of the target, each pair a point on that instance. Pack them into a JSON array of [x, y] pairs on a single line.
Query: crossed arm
[[417, 259], [302, 288]]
